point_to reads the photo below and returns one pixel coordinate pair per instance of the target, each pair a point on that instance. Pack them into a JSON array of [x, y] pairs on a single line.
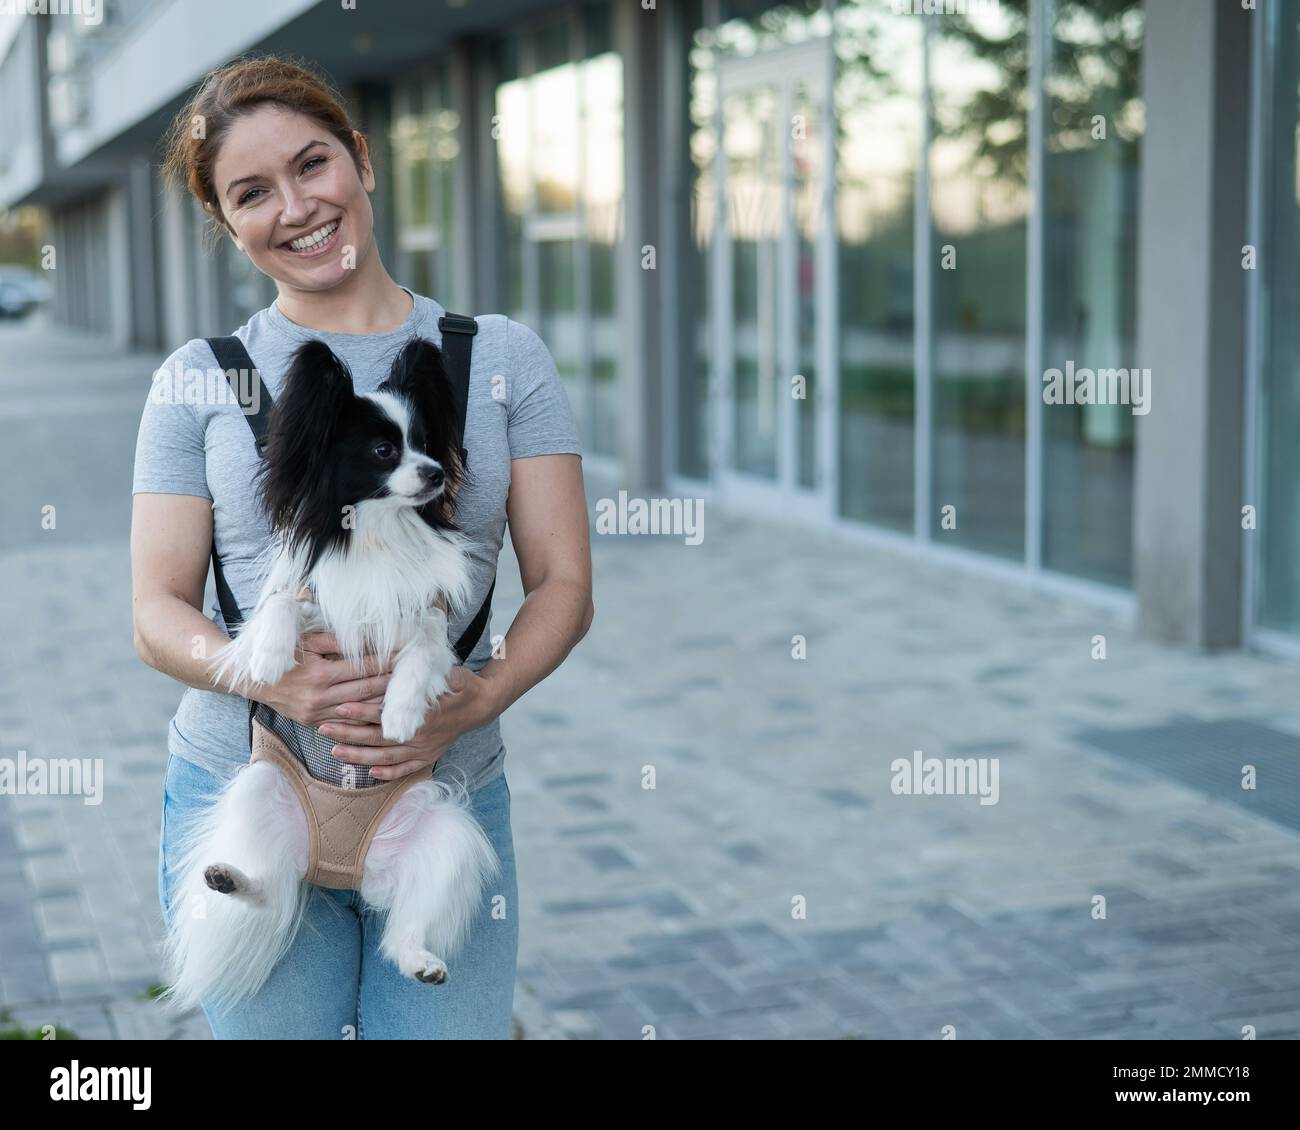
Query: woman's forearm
[[550, 622], [175, 638]]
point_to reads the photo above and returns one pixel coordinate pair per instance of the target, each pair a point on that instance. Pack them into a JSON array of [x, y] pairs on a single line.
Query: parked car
[[21, 289]]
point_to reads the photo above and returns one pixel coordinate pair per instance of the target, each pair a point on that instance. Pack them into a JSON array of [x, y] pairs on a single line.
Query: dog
[[360, 492]]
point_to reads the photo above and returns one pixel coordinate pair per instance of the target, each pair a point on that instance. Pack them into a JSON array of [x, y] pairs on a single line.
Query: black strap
[[457, 350], [234, 359], [457, 345]]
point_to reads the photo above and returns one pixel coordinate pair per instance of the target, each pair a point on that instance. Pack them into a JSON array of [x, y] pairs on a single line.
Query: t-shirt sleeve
[[540, 420], [169, 447]]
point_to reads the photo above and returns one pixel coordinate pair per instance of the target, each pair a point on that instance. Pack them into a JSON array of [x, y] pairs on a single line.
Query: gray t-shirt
[[194, 439]]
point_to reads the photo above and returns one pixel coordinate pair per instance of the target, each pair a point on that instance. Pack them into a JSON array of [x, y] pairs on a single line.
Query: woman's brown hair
[[195, 135]]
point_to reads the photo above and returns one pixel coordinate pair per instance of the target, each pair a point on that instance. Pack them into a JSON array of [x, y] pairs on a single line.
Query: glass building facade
[[894, 225], [873, 232], [898, 224]]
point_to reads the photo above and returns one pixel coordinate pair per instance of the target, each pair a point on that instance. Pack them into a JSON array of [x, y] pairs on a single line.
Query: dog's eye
[[384, 450]]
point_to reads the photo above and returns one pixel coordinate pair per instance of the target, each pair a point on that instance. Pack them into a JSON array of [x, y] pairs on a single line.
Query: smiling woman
[[267, 148], [271, 154]]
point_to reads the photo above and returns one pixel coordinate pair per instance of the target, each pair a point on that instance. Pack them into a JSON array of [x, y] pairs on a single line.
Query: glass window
[[1093, 151], [694, 304], [979, 200], [559, 135], [602, 187], [878, 144], [510, 131], [749, 27], [559, 325], [1277, 591], [425, 148]]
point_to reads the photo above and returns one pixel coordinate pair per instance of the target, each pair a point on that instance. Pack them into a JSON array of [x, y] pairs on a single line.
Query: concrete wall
[[1191, 322]]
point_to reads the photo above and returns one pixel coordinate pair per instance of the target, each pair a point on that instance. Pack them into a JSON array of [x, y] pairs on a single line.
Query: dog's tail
[[219, 949], [446, 861]]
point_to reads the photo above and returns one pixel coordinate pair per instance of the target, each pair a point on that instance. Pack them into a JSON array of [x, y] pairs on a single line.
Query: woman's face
[[293, 200]]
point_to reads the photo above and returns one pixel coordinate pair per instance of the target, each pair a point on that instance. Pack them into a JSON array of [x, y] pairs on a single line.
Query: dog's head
[[332, 453]]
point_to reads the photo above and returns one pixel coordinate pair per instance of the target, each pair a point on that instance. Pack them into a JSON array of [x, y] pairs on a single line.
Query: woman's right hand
[[321, 680]]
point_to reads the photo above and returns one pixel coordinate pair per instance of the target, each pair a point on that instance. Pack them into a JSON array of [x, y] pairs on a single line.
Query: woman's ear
[[363, 159]]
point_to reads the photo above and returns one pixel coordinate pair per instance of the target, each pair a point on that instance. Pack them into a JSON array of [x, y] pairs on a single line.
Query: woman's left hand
[[465, 706]]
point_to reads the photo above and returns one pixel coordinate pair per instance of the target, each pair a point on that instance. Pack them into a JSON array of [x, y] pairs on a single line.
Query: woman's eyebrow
[[290, 161]]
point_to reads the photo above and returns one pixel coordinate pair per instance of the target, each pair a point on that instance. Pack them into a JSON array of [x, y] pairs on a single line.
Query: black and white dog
[[360, 491]]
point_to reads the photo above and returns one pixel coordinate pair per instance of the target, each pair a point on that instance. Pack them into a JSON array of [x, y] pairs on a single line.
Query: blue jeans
[[333, 983]]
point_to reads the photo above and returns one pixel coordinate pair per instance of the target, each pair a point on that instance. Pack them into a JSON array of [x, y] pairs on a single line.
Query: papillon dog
[[360, 492]]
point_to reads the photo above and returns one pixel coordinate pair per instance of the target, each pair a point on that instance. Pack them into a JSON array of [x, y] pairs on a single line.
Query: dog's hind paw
[[228, 880], [423, 966]]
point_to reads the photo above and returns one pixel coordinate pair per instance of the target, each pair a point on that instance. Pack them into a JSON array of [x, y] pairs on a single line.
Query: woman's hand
[[467, 705], [312, 691]]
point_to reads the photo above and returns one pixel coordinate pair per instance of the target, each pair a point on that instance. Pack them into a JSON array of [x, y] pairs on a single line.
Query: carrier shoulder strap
[[458, 341], [256, 407], [457, 346]]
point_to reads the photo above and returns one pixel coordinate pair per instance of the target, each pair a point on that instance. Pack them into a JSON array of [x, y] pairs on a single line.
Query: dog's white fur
[[429, 860]]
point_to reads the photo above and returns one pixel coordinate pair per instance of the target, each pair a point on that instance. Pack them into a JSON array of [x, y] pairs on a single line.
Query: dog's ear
[[419, 373], [302, 427]]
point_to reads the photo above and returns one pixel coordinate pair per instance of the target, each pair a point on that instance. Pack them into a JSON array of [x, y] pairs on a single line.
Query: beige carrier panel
[[340, 822]]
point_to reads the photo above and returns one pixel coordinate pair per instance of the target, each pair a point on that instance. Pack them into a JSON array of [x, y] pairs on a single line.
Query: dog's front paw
[[270, 665], [402, 717], [263, 652]]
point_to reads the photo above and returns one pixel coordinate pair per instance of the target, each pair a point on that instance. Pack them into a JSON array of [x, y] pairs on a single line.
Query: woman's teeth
[[319, 236]]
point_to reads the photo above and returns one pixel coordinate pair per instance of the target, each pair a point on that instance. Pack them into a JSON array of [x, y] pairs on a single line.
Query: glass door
[[773, 258]]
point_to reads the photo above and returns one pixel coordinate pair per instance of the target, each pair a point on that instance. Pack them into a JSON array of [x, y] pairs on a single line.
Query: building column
[[116, 214], [636, 37], [145, 299], [1187, 532]]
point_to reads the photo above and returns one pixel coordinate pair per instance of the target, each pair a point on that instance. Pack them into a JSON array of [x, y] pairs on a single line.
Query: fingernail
[[344, 712]]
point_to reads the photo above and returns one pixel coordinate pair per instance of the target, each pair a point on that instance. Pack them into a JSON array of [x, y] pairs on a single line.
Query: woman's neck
[[361, 305]]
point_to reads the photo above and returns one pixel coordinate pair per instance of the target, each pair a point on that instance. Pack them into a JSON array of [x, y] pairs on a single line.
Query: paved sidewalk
[[679, 906]]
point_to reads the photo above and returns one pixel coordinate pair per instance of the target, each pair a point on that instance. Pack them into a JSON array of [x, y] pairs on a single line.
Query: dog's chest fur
[[392, 572]]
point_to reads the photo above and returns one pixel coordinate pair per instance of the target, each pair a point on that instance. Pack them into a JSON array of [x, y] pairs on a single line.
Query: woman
[[268, 150]]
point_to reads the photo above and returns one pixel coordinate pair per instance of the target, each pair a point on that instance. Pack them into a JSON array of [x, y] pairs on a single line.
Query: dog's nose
[[432, 475]]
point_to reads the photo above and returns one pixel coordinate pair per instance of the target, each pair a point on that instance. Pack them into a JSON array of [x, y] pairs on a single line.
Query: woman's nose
[[294, 212]]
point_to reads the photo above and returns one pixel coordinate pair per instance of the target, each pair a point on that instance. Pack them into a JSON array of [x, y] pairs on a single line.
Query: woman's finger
[[392, 772], [371, 755], [370, 711], [322, 643], [354, 734], [357, 690], [341, 671]]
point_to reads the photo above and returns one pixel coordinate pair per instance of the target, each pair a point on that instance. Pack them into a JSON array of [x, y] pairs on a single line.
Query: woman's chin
[[325, 276]]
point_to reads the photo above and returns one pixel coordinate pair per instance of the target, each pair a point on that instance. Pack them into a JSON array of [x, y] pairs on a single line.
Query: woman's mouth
[[315, 242]]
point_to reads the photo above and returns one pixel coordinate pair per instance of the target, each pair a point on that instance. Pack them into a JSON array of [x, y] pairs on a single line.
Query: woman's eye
[[385, 450], [311, 162], [248, 195]]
